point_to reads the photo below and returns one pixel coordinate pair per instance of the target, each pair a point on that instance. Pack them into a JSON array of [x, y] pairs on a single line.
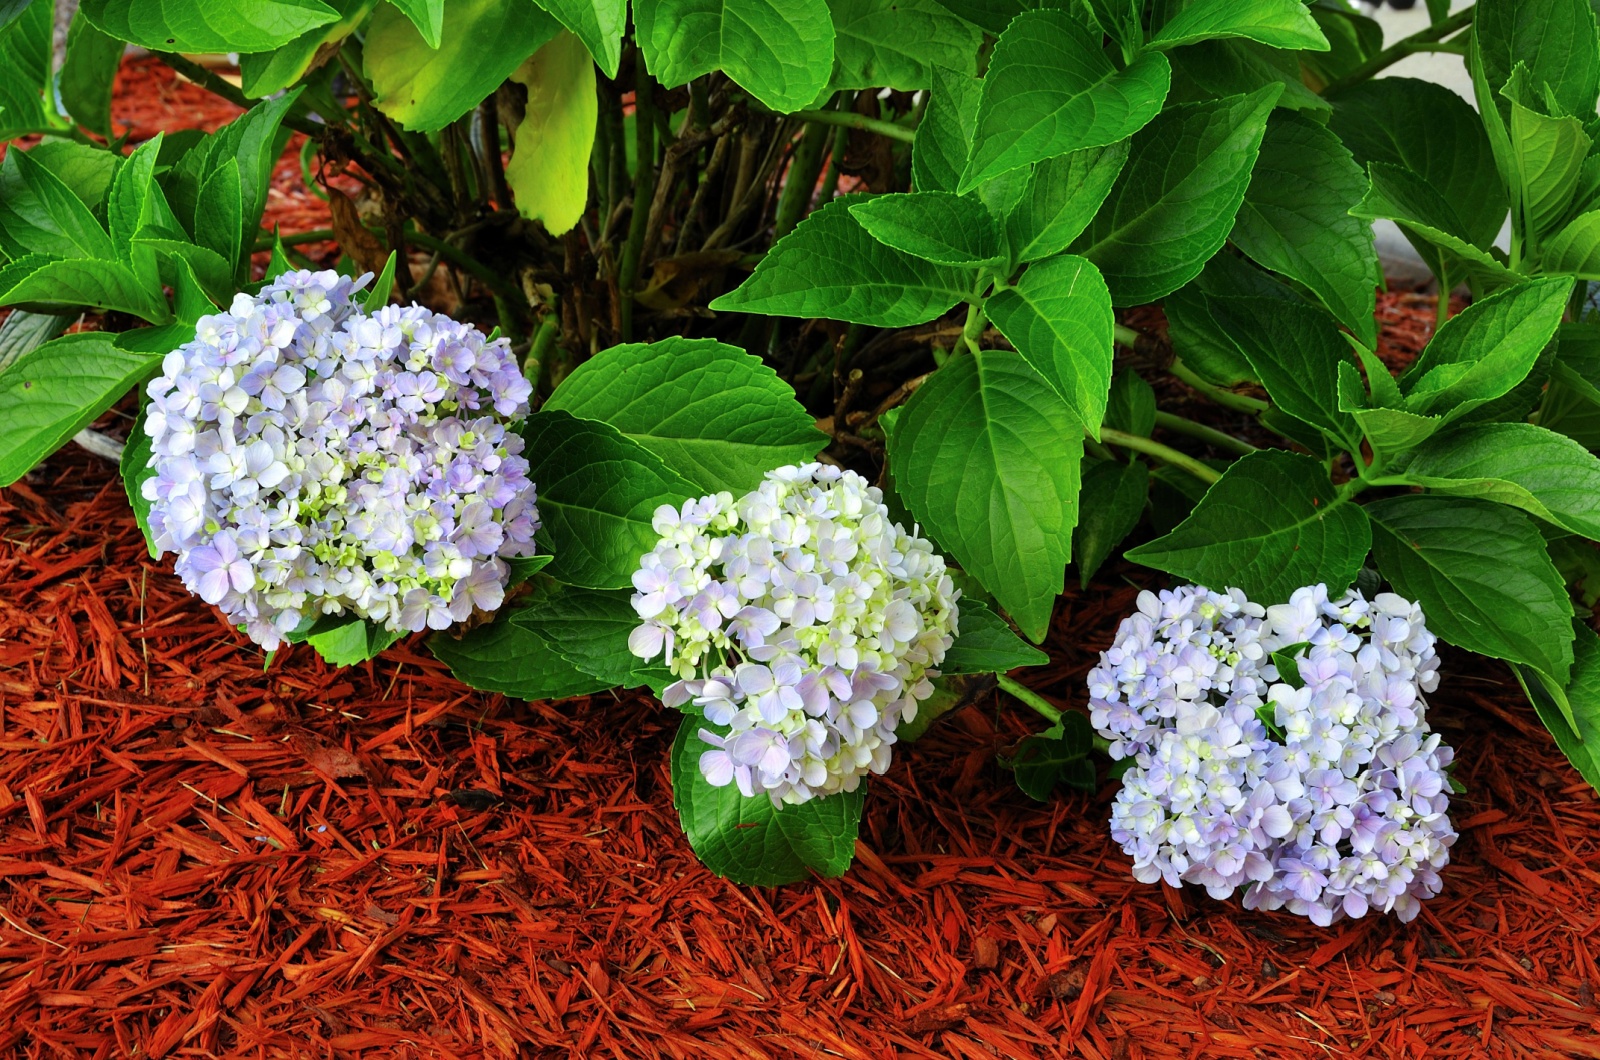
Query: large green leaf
[[1296, 219], [1059, 755], [549, 169], [750, 841], [1575, 250], [1058, 316], [1434, 133], [1204, 345], [427, 16], [716, 415], [481, 43], [1060, 199], [1214, 68], [1388, 429], [598, 23], [597, 493], [987, 645], [87, 71], [1405, 197], [1481, 573], [1295, 350], [1277, 23], [1579, 737], [986, 455], [780, 51], [1528, 467], [1486, 349], [829, 266], [944, 136], [933, 225], [505, 657], [590, 630], [48, 284], [1554, 39], [1548, 151], [898, 43], [1272, 524], [263, 74], [26, 59], [1051, 89], [61, 222], [344, 640], [207, 25], [52, 392], [1175, 202], [1113, 498]]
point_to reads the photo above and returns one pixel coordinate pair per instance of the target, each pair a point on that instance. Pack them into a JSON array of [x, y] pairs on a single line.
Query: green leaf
[[377, 296], [1543, 473], [1390, 430], [344, 640], [829, 266], [1554, 39], [1060, 754], [55, 390], [1060, 199], [1575, 723], [1273, 524], [1058, 316], [1131, 404], [986, 455], [135, 468], [263, 74], [1352, 38], [47, 284], [427, 16], [1276, 23], [898, 43], [90, 66], [549, 169], [1486, 349], [22, 332], [85, 168], [933, 225], [505, 657], [26, 58], [208, 25], [590, 630], [597, 493], [944, 136], [987, 645], [716, 415], [132, 201], [780, 51], [61, 221], [1176, 199], [1119, 20], [212, 270], [1575, 250], [750, 841], [1295, 350], [1436, 135], [1113, 498], [1548, 151], [1214, 68], [218, 212], [1404, 197], [1481, 573], [1296, 219], [1050, 89], [481, 44], [1288, 664], [1204, 345], [599, 24], [254, 140]]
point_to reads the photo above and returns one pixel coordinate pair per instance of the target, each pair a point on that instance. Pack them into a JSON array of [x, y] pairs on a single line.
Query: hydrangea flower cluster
[[1330, 798], [800, 618], [311, 458]]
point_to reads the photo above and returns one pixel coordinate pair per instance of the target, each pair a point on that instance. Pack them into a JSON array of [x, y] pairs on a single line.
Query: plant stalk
[[1422, 40], [1225, 398], [1029, 697], [1209, 435], [1163, 453], [644, 184], [852, 120]]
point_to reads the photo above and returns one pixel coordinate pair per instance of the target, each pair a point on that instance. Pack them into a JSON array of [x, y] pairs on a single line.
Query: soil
[[205, 854]]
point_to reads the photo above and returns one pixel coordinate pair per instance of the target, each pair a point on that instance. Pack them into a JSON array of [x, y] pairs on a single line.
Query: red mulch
[[199, 858]]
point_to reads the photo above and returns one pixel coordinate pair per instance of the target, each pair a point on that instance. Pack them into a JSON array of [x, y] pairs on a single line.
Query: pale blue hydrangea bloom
[[311, 458], [1340, 807], [802, 620]]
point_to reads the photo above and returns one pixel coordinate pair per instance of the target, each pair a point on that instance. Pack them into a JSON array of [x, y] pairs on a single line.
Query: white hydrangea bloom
[[802, 620], [312, 459]]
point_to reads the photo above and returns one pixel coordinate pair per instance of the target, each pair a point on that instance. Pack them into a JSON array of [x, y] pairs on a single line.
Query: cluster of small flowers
[[311, 458], [803, 620], [1328, 799]]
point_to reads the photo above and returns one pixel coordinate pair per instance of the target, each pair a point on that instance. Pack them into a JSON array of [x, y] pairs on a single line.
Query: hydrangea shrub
[[905, 239]]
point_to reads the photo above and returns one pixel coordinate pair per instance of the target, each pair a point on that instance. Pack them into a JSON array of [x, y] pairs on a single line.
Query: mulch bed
[[200, 857]]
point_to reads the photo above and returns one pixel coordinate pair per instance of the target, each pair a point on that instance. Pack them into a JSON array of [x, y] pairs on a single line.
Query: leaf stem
[[644, 187], [1029, 697], [852, 120], [218, 87], [1125, 335], [1165, 454], [1422, 40], [972, 331], [1225, 398], [1209, 435]]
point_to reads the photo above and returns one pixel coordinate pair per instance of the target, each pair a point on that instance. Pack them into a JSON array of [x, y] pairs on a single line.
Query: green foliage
[[207, 25], [987, 644], [589, 630], [780, 51], [899, 43], [1112, 500], [1058, 316], [505, 656], [750, 841], [1278, 23], [1059, 755], [1543, 473], [933, 225], [549, 169], [1572, 714]]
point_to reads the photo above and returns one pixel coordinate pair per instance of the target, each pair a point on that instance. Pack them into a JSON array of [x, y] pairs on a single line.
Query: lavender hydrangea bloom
[[800, 618], [311, 459], [1340, 807]]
